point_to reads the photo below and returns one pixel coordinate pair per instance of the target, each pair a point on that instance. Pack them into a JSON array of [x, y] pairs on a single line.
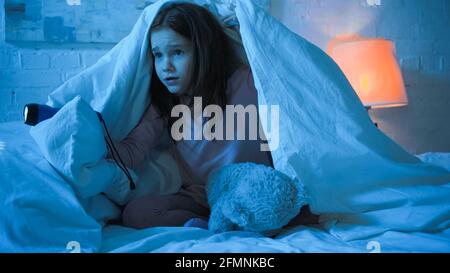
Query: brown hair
[[214, 59]]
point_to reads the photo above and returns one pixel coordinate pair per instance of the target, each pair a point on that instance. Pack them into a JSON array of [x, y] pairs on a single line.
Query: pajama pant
[[176, 209], [162, 210]]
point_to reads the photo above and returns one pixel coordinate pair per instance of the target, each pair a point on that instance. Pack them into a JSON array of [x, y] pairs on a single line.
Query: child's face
[[173, 56]]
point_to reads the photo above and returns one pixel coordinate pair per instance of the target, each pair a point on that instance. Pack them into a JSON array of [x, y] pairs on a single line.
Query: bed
[[40, 213]]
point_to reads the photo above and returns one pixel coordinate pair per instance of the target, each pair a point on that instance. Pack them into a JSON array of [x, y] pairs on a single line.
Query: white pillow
[[73, 143]]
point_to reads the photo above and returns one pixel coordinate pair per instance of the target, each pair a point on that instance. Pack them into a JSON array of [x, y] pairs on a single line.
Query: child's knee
[[156, 210], [130, 215], [139, 212]]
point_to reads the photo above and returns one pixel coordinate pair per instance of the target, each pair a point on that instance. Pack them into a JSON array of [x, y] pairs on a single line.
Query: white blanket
[[361, 182]]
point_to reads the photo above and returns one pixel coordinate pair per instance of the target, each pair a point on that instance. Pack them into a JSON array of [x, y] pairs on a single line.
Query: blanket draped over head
[[360, 181]]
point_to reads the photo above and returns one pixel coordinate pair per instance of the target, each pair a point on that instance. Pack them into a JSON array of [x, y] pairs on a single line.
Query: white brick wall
[[29, 74], [420, 31]]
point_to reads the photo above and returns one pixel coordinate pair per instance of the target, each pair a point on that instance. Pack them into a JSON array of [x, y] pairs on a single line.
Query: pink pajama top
[[198, 158]]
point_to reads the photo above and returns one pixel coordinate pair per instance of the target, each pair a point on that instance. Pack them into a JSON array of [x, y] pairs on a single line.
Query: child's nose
[[168, 65]]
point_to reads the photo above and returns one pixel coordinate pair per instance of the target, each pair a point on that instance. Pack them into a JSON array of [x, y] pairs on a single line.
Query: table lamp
[[371, 67]]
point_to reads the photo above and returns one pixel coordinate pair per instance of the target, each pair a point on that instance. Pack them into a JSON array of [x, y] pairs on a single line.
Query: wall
[[420, 31], [69, 21], [34, 59]]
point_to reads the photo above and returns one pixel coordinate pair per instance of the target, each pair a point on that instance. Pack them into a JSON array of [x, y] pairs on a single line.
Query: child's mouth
[[171, 81]]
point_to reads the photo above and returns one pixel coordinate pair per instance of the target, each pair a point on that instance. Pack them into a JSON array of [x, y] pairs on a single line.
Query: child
[[193, 57]]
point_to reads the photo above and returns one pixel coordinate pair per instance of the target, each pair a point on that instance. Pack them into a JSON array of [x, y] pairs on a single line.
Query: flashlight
[[34, 113]]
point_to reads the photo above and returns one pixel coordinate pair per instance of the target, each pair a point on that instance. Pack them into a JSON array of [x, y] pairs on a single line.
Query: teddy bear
[[253, 197]]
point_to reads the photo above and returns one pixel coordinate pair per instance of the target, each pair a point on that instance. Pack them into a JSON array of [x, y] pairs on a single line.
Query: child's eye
[[178, 52], [157, 55]]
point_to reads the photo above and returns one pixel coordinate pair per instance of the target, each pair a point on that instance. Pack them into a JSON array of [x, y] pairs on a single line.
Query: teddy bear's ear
[[218, 222]]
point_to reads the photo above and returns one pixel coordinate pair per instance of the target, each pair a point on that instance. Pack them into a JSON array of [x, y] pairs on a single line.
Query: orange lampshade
[[372, 69]]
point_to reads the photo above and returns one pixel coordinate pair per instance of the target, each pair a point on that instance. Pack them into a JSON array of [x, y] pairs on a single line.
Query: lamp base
[[367, 109]]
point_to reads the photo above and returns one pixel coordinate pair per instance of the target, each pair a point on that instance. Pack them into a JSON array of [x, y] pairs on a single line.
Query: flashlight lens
[[25, 113], [30, 114]]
